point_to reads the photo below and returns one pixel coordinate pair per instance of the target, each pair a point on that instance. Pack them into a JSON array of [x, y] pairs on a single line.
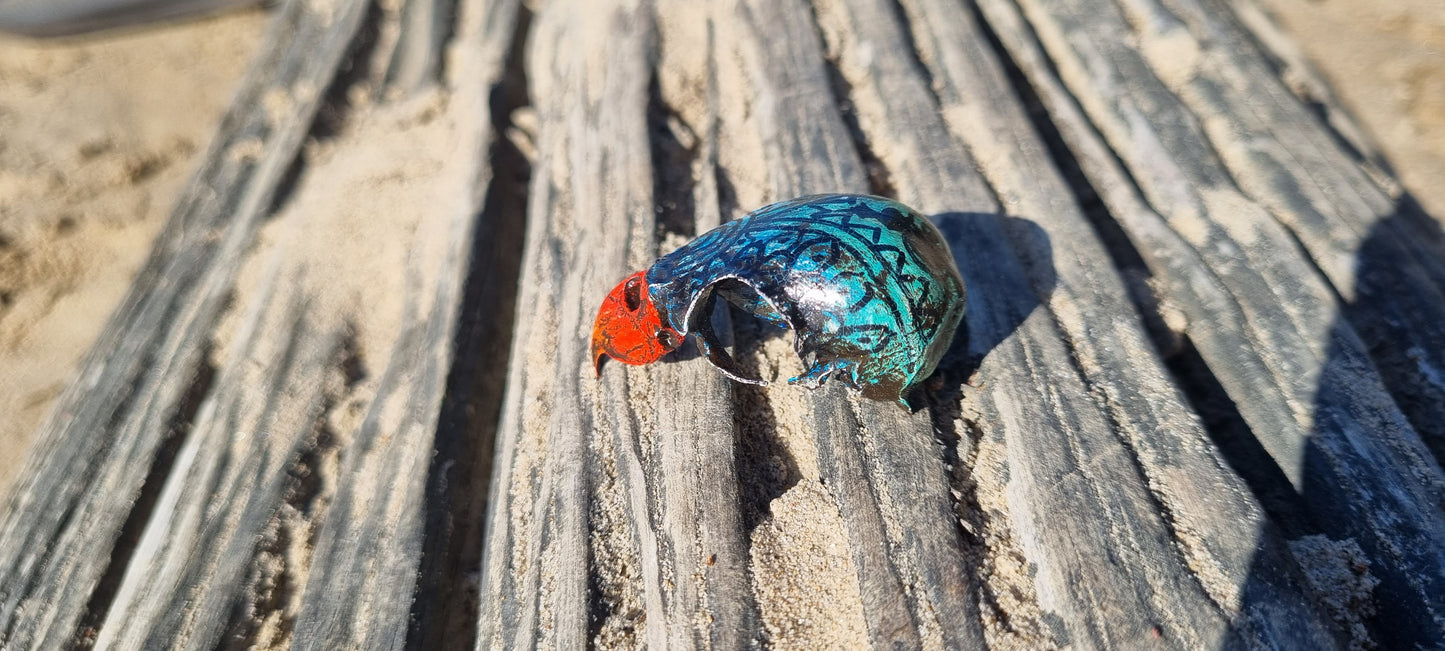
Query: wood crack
[[675, 149], [444, 188], [1127, 259], [880, 180], [459, 474], [264, 614], [1293, 371], [98, 606]]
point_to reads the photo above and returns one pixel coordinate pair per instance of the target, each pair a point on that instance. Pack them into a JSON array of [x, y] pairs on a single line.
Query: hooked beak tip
[[597, 354]]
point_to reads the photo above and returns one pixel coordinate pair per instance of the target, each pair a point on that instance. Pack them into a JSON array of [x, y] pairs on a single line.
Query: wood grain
[[143, 382], [289, 449], [1263, 318], [348, 403], [1158, 444]]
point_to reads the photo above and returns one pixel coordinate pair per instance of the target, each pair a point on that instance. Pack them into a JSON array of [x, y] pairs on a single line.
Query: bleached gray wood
[[656, 470], [616, 478], [695, 470], [265, 524], [880, 462], [1158, 446], [1294, 69], [1386, 263], [567, 486], [364, 571], [1263, 320], [417, 57], [806, 147], [1068, 494], [233, 474], [140, 386]]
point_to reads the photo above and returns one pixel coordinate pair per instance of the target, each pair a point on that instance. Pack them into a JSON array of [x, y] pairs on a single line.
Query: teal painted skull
[[867, 284]]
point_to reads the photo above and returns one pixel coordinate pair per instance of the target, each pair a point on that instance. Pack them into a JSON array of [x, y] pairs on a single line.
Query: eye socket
[[632, 294], [667, 338]]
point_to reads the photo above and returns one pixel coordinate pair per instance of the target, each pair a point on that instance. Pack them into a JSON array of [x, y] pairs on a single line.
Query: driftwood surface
[[1197, 401]]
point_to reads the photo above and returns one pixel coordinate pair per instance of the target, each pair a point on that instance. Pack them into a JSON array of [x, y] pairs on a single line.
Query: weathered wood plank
[[1262, 318], [141, 384], [316, 443], [446, 600], [227, 492], [700, 498], [629, 473], [1366, 244], [566, 514], [1112, 360], [879, 470], [310, 470], [879, 465], [1294, 69], [1215, 527], [364, 571]]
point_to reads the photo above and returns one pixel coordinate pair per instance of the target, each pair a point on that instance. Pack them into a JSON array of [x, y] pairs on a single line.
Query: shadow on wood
[[1031, 244], [1194, 400], [1368, 579]]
